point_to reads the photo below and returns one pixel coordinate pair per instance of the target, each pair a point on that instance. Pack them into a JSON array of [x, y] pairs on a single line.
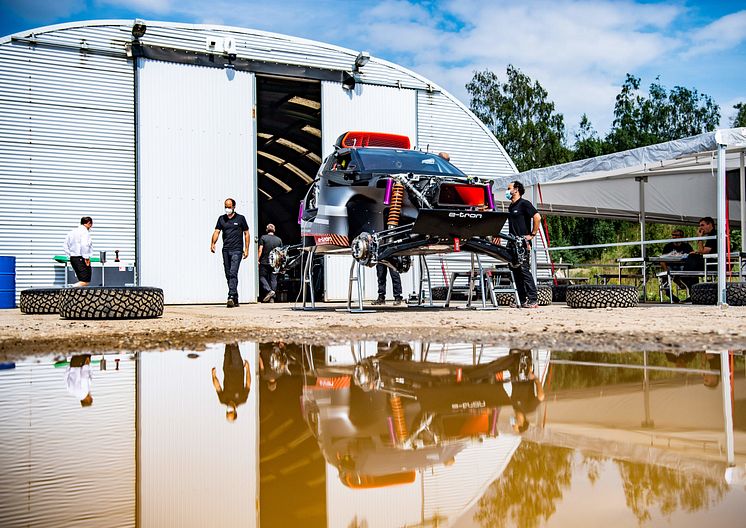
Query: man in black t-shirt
[[523, 220], [695, 261], [267, 277], [235, 245], [526, 390], [236, 381]]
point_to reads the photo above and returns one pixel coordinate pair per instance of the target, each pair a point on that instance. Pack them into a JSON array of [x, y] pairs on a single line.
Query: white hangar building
[[148, 127]]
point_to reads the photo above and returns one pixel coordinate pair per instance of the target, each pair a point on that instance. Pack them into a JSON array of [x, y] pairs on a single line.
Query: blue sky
[[580, 51]]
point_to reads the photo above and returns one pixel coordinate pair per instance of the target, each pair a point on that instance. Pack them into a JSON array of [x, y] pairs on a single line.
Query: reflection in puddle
[[373, 434]]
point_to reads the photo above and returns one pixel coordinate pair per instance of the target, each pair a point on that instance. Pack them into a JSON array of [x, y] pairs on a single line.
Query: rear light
[[463, 195]]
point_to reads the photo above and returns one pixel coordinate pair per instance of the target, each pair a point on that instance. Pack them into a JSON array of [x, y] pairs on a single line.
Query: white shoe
[[270, 295]]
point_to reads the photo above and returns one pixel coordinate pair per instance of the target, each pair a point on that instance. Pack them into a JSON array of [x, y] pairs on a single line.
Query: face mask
[[508, 195], [228, 210]]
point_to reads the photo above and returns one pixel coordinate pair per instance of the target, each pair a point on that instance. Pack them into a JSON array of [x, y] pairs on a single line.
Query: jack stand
[[424, 281], [355, 276], [484, 284], [307, 281]]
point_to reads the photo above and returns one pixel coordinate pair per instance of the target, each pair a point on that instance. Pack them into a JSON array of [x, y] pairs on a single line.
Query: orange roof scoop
[[373, 139]]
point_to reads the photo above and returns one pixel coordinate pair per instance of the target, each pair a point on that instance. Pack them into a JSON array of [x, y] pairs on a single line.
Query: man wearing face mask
[[235, 231], [523, 220]]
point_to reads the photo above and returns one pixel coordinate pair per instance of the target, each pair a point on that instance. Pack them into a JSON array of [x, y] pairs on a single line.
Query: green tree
[[740, 119], [528, 491], [587, 142], [641, 120], [521, 116]]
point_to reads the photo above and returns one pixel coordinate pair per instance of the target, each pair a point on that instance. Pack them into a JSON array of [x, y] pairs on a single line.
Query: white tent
[[676, 181]]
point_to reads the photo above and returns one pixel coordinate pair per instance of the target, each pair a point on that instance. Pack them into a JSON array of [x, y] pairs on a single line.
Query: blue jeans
[[231, 263]]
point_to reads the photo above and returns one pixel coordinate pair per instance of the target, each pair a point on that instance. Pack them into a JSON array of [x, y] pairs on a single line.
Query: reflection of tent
[[674, 181]]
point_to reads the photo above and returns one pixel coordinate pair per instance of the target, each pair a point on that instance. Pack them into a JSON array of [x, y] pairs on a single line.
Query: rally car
[[382, 201], [386, 416]]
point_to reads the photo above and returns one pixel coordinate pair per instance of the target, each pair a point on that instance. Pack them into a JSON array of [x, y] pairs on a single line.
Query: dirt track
[[654, 327]]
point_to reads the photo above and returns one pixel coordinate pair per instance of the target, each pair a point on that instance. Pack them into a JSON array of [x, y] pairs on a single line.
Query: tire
[[111, 303], [707, 293], [601, 296], [505, 298], [40, 301], [559, 292], [544, 295], [439, 293]]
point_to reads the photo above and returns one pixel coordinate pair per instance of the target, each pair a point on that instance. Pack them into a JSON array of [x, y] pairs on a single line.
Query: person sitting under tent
[[695, 261]]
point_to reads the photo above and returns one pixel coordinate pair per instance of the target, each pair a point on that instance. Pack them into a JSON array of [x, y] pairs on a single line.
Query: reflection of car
[[381, 200], [386, 416]]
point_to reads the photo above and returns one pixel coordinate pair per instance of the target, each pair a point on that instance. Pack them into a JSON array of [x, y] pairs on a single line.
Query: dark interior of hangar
[[288, 152]]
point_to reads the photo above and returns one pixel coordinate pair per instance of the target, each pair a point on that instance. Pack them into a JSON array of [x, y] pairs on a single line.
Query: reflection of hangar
[[148, 135]]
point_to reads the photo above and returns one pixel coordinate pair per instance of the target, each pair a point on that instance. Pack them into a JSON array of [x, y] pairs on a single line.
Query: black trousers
[[524, 282], [231, 263], [82, 270], [267, 279], [395, 281]]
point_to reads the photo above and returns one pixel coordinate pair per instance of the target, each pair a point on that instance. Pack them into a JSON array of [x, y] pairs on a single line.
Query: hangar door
[[376, 109], [195, 149]]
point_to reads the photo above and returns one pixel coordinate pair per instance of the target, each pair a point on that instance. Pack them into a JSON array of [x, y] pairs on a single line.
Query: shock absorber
[[400, 424], [397, 197]]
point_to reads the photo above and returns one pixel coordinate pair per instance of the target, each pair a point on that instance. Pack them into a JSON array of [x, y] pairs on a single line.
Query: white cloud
[[723, 34]]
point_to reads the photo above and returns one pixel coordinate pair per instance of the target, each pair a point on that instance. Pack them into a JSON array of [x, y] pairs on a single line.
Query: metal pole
[[534, 265], [721, 195], [742, 180], [727, 408], [643, 248]]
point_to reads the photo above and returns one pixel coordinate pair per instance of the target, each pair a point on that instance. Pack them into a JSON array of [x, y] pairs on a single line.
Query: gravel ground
[[648, 327]]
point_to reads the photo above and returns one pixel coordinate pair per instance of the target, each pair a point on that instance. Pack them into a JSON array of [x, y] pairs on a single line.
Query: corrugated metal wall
[[196, 468], [445, 125], [196, 148], [66, 151]]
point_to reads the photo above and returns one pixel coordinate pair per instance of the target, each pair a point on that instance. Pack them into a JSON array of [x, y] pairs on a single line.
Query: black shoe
[[230, 303], [675, 299], [235, 303], [397, 301], [378, 302]]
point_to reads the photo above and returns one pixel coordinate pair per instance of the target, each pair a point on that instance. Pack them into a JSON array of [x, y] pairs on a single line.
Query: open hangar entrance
[[288, 129]]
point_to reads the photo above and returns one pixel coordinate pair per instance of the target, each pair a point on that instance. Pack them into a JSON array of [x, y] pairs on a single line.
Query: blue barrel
[[7, 282]]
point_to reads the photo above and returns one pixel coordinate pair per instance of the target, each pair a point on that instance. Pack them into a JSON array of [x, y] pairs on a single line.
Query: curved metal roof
[[111, 37]]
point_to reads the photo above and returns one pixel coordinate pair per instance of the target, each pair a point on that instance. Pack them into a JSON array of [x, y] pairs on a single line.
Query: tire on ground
[[601, 296], [544, 295], [707, 293], [111, 303], [40, 300], [559, 292]]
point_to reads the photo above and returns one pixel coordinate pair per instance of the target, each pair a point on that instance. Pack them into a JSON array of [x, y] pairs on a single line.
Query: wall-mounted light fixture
[[138, 29], [361, 60]]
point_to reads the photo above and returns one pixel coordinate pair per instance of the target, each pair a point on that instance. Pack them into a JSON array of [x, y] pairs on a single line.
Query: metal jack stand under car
[[307, 281], [356, 276], [485, 283]]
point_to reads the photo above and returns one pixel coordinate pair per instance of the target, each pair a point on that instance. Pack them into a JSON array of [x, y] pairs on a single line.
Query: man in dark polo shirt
[[235, 246], [267, 276], [523, 221], [236, 381]]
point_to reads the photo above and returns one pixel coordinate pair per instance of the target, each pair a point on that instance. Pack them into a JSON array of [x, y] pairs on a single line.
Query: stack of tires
[[138, 302]]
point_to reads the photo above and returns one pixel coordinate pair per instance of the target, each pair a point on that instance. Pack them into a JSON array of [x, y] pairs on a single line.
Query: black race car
[[383, 202]]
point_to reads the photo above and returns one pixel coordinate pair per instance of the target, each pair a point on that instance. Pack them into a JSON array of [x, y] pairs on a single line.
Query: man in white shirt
[[78, 247], [78, 378]]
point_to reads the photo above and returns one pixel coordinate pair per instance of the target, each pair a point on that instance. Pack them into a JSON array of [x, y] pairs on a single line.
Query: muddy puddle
[[373, 434]]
